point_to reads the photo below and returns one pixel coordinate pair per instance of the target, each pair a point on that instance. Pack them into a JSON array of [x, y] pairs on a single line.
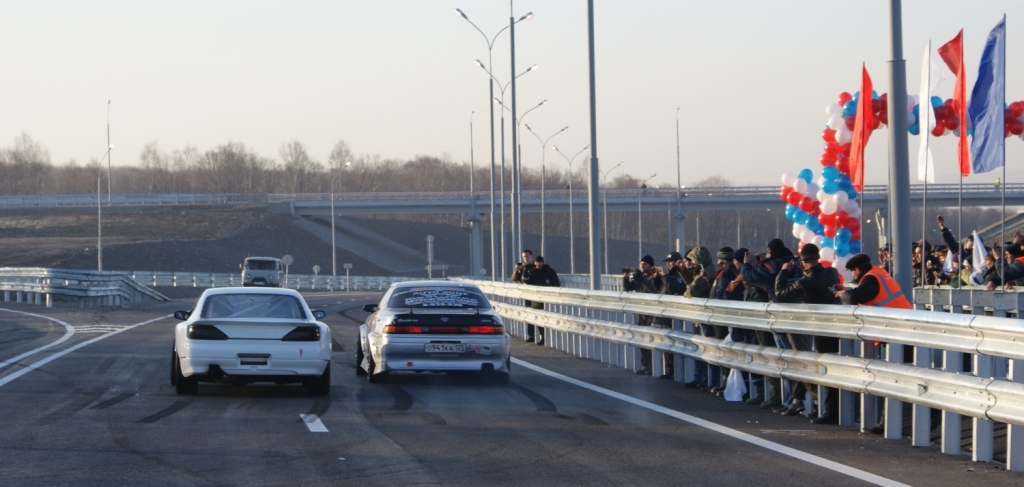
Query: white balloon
[[800, 186], [851, 206], [812, 190], [828, 207], [841, 198], [788, 179], [822, 196], [818, 239], [798, 230], [911, 102], [911, 119], [844, 135], [807, 237], [857, 214], [836, 121], [828, 254], [833, 110], [821, 180]]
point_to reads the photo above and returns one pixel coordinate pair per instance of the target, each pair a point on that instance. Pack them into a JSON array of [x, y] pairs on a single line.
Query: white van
[[262, 271]]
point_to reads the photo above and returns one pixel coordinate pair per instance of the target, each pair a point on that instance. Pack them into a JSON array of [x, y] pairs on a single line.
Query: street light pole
[[99, 211], [334, 247], [543, 177], [572, 239], [604, 182], [595, 242], [640, 218], [108, 154], [490, 48]]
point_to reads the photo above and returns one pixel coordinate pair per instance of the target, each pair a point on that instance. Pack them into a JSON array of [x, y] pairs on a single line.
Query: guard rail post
[[847, 399], [893, 407], [868, 402], [678, 364], [921, 431], [689, 368], [983, 428], [952, 362], [1015, 433]]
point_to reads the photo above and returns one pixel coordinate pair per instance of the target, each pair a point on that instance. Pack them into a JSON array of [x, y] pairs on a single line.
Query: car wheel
[[372, 378], [174, 367], [184, 385], [360, 371], [321, 386]]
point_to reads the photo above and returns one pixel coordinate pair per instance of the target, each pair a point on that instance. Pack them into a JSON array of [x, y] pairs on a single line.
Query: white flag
[[931, 76], [977, 260]]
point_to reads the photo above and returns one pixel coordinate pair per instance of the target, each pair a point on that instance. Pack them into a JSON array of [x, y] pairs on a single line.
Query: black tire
[[360, 371], [321, 386], [184, 386], [174, 367], [372, 378]]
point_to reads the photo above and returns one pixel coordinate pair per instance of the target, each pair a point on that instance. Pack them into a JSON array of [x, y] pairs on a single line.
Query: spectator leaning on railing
[[646, 279]]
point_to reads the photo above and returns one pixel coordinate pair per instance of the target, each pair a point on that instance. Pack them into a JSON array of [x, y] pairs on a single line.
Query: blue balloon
[[790, 211], [828, 243], [855, 246], [829, 172], [813, 224], [843, 235], [850, 109], [844, 180], [806, 175], [914, 129], [842, 249], [830, 186], [916, 110], [851, 193], [874, 95], [937, 101]]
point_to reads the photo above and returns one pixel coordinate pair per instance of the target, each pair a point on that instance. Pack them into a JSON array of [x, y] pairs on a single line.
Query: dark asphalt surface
[[106, 414]]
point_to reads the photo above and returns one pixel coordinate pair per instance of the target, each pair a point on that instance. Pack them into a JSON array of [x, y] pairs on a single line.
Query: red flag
[[952, 53], [862, 126]]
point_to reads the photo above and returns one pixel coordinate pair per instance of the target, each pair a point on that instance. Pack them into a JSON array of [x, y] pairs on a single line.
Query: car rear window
[[261, 265], [253, 306], [438, 297]]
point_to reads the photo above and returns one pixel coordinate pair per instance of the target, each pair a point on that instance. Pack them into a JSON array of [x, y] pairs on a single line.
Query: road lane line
[[68, 331], [313, 423], [739, 435], [51, 358]]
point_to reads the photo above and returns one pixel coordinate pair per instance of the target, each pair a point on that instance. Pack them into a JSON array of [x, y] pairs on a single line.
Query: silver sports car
[[433, 326]]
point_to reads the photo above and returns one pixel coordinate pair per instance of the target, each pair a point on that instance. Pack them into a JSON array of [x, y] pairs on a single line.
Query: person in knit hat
[[645, 279]]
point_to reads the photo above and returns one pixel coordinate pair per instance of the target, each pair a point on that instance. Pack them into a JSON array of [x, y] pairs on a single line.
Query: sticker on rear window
[[434, 297]]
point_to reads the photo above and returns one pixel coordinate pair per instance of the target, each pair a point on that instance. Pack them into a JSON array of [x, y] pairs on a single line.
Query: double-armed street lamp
[[491, 80], [572, 245], [517, 203], [99, 206], [543, 179], [334, 248], [640, 217], [604, 182]]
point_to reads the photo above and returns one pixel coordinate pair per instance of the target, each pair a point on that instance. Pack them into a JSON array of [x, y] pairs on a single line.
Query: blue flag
[[988, 104]]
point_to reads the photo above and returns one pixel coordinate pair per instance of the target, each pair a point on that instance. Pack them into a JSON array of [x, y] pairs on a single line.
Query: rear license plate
[[445, 348]]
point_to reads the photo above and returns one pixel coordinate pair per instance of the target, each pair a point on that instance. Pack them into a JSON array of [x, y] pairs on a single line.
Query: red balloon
[[830, 231], [949, 104], [939, 130], [828, 135], [876, 106], [875, 122], [854, 235], [851, 121], [794, 198], [845, 149], [884, 97], [942, 112], [816, 211], [784, 194], [826, 263], [852, 223], [844, 166], [1018, 109], [952, 123], [1008, 114], [883, 117], [1016, 127], [807, 204], [844, 97], [1006, 131], [841, 217], [828, 160]]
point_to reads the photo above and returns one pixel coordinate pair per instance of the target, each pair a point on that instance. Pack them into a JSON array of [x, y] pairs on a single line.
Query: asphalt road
[[96, 408]]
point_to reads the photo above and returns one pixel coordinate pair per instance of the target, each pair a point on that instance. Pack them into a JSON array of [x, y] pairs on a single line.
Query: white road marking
[[68, 331], [314, 424], [51, 358], [739, 435]]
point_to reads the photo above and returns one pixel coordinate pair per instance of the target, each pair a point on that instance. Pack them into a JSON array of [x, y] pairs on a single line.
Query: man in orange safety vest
[[875, 287]]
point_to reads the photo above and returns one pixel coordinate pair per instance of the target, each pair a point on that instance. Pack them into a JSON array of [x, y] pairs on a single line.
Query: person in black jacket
[[816, 286], [1012, 253], [521, 274], [540, 274], [759, 273], [723, 287], [646, 279], [673, 284]]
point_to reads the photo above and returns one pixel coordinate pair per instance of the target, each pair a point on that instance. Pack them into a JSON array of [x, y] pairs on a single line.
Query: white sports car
[[433, 326], [244, 335]]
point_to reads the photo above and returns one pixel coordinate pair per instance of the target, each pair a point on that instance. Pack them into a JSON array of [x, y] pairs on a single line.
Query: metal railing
[[598, 325], [90, 288], [295, 281]]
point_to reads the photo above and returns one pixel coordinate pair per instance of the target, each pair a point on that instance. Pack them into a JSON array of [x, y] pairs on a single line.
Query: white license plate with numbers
[[445, 348]]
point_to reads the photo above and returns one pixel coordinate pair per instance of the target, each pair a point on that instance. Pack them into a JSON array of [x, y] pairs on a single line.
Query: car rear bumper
[[483, 352], [256, 357]]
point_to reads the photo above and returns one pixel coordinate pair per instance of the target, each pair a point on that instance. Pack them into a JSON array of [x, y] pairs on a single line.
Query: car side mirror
[[319, 314], [370, 308], [181, 315]]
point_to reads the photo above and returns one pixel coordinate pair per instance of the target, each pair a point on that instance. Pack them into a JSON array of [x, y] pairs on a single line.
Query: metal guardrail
[[598, 325], [89, 288], [295, 281]]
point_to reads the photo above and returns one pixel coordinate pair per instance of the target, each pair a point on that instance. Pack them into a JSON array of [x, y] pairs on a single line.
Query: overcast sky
[[396, 77]]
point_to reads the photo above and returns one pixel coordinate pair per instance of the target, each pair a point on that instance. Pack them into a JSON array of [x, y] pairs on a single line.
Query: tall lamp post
[[108, 153], [543, 178], [517, 154], [99, 210], [490, 48], [517, 242], [572, 243], [604, 182], [334, 247], [640, 217], [502, 89]]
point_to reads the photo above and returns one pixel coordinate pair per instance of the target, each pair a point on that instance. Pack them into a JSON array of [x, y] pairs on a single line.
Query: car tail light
[[205, 332], [403, 329], [303, 334], [486, 330]]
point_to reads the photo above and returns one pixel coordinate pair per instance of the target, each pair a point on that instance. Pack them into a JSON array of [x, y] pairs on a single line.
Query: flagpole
[[1002, 185], [927, 140]]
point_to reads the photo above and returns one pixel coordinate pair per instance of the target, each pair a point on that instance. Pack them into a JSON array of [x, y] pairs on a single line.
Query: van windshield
[[261, 265]]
